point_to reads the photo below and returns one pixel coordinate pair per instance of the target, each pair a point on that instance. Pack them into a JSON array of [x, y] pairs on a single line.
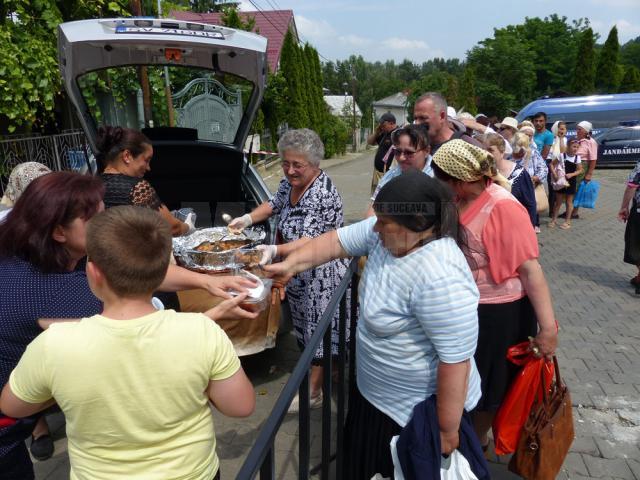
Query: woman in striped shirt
[[417, 331]]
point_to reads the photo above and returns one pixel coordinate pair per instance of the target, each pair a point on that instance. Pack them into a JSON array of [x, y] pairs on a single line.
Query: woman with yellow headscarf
[[515, 303]]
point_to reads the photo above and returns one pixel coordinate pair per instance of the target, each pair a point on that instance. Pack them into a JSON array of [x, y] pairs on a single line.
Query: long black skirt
[[632, 237], [500, 326], [367, 434]]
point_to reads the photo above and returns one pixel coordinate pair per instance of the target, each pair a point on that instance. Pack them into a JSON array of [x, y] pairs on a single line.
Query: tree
[[506, 61], [607, 71], [296, 115], [452, 91], [553, 42], [630, 53], [30, 82], [232, 19], [492, 100], [467, 94], [198, 6], [631, 80], [584, 72]]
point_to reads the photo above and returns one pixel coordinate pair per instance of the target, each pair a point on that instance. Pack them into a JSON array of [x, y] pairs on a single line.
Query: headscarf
[[468, 163], [559, 144], [21, 176]]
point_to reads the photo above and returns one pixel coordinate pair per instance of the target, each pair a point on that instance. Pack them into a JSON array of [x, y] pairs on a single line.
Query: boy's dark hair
[[540, 114], [131, 247]]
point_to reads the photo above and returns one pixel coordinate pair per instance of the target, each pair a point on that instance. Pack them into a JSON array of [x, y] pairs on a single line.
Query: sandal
[[552, 224], [565, 226]]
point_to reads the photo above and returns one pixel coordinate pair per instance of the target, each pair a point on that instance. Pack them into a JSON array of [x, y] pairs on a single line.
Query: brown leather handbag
[[547, 434]]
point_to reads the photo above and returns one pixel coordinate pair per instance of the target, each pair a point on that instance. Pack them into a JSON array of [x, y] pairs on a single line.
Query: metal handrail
[[261, 456]]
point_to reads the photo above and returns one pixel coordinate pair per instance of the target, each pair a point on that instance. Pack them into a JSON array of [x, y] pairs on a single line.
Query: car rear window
[[212, 103]]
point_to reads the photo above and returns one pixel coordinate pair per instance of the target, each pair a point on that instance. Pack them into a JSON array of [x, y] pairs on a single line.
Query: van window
[[213, 104], [599, 119]]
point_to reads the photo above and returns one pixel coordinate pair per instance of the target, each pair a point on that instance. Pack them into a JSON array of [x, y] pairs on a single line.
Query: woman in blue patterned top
[[418, 325], [307, 204]]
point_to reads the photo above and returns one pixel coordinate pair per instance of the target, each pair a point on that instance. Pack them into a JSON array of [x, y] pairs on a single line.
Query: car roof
[[590, 103]]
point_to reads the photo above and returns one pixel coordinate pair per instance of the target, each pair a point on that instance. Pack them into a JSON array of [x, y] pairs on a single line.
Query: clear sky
[[421, 30]]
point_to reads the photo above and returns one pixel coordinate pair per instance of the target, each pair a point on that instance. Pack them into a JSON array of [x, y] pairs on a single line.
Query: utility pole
[[143, 76], [353, 100], [167, 82]]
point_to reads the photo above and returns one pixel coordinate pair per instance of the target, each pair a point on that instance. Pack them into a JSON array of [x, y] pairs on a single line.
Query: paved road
[[599, 351]]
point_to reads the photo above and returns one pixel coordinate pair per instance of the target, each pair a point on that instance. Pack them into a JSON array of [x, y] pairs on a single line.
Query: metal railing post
[[342, 355], [261, 456], [326, 403], [268, 467], [304, 430]]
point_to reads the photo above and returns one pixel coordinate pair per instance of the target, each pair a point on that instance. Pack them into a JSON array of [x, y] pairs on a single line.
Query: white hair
[[305, 142]]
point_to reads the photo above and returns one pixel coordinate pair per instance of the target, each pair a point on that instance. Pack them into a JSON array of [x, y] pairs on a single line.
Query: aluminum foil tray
[[187, 256]]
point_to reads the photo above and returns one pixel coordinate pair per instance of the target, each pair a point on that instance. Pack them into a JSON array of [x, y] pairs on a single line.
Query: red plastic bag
[[6, 421], [515, 408]]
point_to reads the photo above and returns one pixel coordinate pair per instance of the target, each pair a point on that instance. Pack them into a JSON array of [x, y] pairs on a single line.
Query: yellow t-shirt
[[132, 391]]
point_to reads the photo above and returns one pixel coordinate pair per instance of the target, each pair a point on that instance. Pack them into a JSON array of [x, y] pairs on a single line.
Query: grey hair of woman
[[305, 142]]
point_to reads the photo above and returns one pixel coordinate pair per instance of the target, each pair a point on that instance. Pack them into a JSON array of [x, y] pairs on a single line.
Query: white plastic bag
[[397, 468], [456, 467]]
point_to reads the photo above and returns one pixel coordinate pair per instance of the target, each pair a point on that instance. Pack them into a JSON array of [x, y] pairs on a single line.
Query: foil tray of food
[[216, 249]]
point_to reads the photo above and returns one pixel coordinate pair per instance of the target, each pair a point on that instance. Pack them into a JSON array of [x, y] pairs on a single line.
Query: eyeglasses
[[398, 152], [298, 167]]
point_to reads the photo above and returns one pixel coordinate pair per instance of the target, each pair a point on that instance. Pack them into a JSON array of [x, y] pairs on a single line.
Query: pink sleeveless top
[[501, 238]]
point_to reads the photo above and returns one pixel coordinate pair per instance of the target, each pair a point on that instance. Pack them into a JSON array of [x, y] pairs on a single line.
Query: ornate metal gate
[[65, 151], [208, 106]]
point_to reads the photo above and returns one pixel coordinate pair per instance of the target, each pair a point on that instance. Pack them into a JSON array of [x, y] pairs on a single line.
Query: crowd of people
[[451, 280]]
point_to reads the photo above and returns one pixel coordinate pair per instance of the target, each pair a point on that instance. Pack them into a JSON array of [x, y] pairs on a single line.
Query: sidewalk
[[273, 174]]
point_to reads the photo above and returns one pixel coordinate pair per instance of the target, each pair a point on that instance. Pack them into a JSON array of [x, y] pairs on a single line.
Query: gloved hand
[[268, 253], [238, 224], [190, 220]]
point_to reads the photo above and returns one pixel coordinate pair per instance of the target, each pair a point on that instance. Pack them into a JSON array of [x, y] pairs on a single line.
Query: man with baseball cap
[[588, 152], [382, 137]]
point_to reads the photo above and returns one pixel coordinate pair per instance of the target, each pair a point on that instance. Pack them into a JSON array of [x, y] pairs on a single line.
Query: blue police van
[[615, 119]]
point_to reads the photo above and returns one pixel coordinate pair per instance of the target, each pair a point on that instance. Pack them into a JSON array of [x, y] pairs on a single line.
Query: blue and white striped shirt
[[415, 311]]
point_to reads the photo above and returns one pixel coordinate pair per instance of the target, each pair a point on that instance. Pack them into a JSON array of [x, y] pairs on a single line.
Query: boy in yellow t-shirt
[[134, 383]]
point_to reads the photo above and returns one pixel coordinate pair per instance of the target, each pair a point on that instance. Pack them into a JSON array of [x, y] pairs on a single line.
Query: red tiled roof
[[272, 24]]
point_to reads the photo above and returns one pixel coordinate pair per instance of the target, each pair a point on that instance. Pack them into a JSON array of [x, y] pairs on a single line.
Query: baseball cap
[[480, 115], [387, 117], [586, 125]]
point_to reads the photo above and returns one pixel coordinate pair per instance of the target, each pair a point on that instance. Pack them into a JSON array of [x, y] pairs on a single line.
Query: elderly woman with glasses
[[515, 303], [411, 149], [307, 204]]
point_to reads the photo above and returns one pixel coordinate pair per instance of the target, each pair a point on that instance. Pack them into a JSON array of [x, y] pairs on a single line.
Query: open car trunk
[[194, 90]]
